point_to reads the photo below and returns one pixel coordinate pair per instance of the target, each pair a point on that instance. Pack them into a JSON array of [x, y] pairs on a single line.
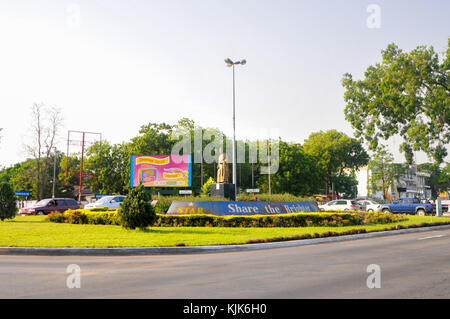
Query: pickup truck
[[411, 206]]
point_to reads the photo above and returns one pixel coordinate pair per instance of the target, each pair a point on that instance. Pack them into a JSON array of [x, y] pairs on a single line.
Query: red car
[[47, 206]]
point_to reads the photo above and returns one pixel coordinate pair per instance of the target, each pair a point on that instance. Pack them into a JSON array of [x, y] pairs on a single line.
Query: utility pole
[[82, 156], [54, 174]]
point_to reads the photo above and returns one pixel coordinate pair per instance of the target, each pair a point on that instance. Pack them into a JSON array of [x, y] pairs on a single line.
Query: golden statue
[[222, 168]]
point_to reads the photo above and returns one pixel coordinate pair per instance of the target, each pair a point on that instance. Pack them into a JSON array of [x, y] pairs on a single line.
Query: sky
[[112, 66]]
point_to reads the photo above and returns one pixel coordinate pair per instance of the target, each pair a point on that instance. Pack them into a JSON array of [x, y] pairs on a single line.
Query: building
[[411, 184]]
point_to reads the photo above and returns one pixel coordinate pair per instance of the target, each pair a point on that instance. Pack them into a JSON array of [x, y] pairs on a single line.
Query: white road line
[[436, 236]]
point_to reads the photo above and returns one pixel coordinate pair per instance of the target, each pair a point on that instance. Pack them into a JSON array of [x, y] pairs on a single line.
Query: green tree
[[136, 210], [408, 93], [104, 164], [346, 185], [381, 171], [337, 155], [8, 201], [297, 174]]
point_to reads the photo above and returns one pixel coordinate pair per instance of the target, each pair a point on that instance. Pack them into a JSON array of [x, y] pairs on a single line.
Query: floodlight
[[229, 62]]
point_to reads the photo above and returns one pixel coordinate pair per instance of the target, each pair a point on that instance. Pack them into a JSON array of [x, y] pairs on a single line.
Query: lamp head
[[229, 62]]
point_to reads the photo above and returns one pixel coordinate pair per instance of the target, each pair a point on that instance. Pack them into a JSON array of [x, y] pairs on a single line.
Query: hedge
[[110, 217]]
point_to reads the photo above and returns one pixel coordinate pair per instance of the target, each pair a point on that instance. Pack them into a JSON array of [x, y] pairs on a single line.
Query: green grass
[[34, 231]]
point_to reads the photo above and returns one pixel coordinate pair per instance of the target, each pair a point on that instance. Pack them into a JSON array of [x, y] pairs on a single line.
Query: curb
[[139, 251]]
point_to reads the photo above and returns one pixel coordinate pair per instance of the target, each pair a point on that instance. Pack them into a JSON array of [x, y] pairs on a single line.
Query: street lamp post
[[232, 64], [54, 174]]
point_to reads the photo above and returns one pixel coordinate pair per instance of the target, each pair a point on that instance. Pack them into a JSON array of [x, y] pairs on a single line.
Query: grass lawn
[[34, 231]]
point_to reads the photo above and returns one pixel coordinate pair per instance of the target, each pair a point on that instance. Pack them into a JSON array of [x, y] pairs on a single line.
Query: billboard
[[161, 170]]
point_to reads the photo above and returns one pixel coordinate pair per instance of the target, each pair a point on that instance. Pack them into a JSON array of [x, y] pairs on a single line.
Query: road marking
[[437, 236]]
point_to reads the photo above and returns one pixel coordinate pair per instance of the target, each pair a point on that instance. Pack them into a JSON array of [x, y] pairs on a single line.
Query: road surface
[[413, 265]]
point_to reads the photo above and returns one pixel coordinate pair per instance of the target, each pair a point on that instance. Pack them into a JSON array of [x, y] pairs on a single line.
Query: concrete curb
[[201, 249]]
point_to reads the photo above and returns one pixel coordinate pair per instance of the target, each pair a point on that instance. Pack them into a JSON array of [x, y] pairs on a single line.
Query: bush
[[286, 197], [76, 217], [282, 220], [56, 217], [136, 210], [206, 188], [8, 201]]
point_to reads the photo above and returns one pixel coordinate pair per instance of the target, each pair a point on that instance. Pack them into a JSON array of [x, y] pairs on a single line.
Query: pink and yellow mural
[[161, 170]]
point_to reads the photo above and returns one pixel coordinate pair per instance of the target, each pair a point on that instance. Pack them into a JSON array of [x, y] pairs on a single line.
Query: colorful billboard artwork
[[161, 170]]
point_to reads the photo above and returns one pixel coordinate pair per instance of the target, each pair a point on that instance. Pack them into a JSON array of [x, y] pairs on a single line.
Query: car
[[46, 206], [411, 206], [341, 204], [113, 201], [370, 206]]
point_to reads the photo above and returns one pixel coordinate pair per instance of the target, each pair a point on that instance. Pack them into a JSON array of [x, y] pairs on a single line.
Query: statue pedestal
[[223, 190]]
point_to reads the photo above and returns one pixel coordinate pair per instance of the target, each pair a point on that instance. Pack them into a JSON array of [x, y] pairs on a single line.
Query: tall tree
[[337, 156], [381, 171], [297, 174], [104, 165], [45, 126], [408, 93]]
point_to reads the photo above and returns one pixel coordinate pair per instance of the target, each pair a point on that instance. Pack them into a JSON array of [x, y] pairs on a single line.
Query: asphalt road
[[413, 265]]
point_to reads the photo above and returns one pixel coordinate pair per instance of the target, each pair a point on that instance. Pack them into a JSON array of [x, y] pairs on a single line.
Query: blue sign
[[98, 196], [22, 194], [222, 208]]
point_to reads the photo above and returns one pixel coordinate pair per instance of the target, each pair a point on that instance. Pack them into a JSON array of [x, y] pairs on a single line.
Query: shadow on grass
[[186, 230], [18, 220]]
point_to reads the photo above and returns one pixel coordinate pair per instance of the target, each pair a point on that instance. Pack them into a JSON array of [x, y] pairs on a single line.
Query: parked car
[[341, 204], [411, 206], [370, 206], [113, 201], [46, 206]]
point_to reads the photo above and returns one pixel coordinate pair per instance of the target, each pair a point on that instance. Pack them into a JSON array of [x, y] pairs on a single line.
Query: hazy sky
[[112, 66]]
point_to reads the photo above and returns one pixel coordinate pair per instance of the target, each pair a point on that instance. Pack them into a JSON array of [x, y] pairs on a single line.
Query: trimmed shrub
[[206, 188], [56, 217], [286, 197], [76, 217], [112, 217], [8, 201], [136, 210]]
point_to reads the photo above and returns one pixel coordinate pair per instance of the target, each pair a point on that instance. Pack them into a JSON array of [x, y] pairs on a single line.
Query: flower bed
[[322, 219]]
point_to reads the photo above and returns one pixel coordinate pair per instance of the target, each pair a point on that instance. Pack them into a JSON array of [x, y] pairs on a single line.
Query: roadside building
[[412, 183]]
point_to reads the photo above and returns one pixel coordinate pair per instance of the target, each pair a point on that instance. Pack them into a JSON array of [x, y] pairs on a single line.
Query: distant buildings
[[412, 183]]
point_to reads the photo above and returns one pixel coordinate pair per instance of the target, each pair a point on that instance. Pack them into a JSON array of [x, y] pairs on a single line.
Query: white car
[[341, 204], [370, 206], [107, 201]]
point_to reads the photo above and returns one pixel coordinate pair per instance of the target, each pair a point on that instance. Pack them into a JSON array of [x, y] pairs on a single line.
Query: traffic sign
[[23, 194]]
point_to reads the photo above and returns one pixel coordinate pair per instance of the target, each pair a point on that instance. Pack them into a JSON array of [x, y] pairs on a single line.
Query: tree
[[439, 179], [408, 93], [136, 210], [104, 164], [337, 156], [381, 171], [297, 174], [8, 201], [45, 126]]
